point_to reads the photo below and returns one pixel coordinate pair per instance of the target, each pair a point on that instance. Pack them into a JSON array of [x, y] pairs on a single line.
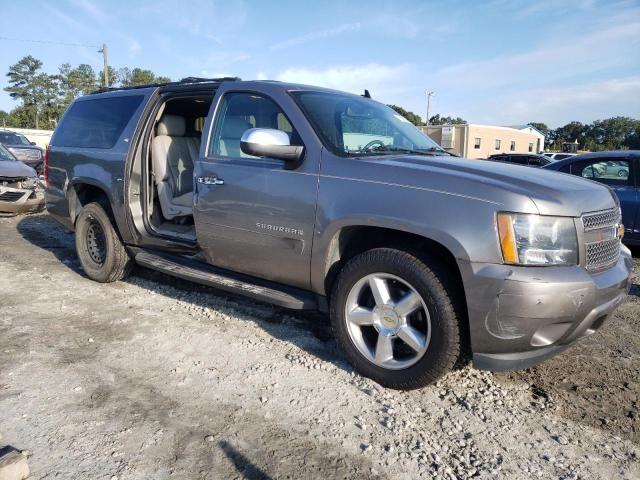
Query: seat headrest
[[234, 127], [171, 125]]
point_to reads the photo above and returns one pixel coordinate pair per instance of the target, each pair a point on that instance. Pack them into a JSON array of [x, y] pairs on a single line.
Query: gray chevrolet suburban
[[311, 198]]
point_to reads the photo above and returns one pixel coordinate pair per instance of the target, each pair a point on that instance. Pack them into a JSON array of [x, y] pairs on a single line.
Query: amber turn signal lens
[[507, 238]]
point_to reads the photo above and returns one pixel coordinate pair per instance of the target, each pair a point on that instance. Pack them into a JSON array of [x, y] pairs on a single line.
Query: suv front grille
[[606, 218], [602, 245], [601, 255]]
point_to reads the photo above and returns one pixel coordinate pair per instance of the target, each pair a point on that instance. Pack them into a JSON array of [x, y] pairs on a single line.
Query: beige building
[[480, 141]]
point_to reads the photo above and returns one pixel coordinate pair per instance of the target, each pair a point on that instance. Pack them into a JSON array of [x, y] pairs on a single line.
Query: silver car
[[20, 188], [311, 198]]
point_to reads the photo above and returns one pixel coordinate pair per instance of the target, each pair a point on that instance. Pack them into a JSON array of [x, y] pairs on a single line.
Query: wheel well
[[352, 241], [82, 194]]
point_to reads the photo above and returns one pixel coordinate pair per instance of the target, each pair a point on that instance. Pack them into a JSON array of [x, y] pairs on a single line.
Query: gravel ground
[[158, 378]]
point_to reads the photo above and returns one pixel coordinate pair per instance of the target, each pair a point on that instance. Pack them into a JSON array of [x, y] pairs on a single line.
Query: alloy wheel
[[388, 321]]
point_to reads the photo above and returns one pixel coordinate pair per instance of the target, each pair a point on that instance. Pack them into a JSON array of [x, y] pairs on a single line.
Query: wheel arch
[[349, 241], [84, 191]]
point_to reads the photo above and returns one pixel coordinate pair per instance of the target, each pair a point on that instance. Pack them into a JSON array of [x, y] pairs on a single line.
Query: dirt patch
[[159, 378]]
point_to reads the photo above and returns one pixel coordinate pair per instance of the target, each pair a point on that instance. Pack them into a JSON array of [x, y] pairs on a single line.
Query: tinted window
[[538, 161], [610, 172], [22, 140], [96, 123], [239, 112], [9, 138]]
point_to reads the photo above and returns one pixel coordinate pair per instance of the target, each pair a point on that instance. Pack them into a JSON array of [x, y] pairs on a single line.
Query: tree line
[[434, 120], [615, 133], [44, 97]]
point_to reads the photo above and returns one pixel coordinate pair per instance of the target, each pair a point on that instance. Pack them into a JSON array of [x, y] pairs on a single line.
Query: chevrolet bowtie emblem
[[620, 232]]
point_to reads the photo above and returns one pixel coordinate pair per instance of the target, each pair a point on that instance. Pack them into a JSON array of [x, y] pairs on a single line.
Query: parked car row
[[528, 159], [611, 168], [619, 171], [20, 188], [24, 150], [615, 169]]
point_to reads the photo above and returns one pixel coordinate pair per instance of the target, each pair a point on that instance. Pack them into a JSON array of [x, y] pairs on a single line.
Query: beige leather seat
[[173, 156]]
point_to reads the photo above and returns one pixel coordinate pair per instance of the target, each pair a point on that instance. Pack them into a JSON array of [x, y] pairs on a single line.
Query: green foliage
[[138, 76], [77, 81], [438, 120], [113, 77], [541, 127], [609, 134], [44, 98], [412, 117], [23, 79]]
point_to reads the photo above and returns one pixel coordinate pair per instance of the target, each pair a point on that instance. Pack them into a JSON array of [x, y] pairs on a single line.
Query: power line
[[49, 42]]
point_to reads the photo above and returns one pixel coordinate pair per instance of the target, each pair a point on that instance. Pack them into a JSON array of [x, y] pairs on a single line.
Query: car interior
[[174, 147]]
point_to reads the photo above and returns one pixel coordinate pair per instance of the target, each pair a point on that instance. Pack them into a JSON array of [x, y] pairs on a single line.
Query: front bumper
[[18, 200], [520, 316]]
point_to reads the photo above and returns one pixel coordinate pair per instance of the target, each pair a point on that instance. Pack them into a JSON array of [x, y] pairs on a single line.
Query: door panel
[[252, 215]]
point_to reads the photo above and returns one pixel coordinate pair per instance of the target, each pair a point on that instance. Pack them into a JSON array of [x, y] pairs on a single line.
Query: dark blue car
[[620, 171]]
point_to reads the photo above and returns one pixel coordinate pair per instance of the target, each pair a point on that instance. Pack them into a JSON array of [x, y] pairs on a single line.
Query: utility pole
[[105, 68], [428, 94]]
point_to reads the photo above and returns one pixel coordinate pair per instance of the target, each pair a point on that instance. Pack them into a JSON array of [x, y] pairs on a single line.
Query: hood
[[24, 147], [16, 169], [552, 193]]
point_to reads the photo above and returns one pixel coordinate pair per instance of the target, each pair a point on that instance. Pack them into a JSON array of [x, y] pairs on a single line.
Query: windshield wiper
[[438, 150], [391, 148]]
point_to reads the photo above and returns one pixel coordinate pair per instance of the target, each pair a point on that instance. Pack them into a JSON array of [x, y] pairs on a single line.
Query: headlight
[[17, 152], [30, 183], [527, 239]]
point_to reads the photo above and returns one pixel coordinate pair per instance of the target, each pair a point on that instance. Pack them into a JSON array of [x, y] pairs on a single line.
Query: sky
[[503, 62]]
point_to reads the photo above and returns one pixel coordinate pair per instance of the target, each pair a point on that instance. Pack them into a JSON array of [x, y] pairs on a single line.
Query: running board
[[264, 291]]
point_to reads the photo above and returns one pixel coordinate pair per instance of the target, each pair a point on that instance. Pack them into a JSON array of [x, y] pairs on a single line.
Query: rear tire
[[378, 337], [100, 251]]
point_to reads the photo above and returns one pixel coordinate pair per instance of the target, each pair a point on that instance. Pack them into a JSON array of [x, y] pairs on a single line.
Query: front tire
[[100, 251], [394, 318]]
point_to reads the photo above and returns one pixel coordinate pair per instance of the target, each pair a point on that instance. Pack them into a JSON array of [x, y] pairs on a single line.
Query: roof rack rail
[[184, 81]]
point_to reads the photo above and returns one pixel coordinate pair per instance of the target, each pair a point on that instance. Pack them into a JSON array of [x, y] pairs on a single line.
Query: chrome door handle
[[210, 181]]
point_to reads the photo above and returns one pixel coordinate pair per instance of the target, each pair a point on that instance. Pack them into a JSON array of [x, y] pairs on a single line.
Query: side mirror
[[32, 143], [272, 143]]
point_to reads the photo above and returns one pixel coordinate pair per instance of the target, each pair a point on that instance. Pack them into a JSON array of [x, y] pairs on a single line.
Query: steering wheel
[[372, 144]]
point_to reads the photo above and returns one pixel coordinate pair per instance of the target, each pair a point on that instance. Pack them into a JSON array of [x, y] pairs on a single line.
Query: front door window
[[241, 111]]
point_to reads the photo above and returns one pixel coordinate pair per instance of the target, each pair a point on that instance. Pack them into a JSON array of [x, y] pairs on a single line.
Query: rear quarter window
[[96, 123]]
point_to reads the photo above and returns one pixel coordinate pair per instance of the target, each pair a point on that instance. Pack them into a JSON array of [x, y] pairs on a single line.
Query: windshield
[[5, 155], [10, 138], [22, 139], [353, 126]]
